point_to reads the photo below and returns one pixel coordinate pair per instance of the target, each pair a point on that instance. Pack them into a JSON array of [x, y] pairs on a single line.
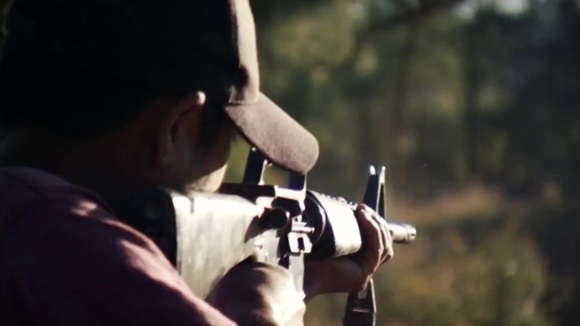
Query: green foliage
[[446, 100], [498, 282]]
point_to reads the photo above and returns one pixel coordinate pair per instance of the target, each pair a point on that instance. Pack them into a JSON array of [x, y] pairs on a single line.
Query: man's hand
[[352, 273], [254, 293]]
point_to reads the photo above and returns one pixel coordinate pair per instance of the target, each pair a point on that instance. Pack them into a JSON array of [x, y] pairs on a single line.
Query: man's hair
[[59, 97]]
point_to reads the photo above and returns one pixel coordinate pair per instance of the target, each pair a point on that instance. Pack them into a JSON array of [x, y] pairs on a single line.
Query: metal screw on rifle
[[276, 218]]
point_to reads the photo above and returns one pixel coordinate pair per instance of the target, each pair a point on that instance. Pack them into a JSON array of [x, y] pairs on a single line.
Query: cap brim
[[276, 134]]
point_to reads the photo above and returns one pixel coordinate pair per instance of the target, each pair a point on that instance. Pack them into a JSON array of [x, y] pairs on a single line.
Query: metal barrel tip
[[402, 233]]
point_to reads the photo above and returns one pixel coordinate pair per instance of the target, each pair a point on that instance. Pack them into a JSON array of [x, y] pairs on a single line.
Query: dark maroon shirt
[[66, 260]]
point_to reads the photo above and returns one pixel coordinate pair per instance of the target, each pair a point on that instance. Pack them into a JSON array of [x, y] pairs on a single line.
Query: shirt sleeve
[[71, 263]]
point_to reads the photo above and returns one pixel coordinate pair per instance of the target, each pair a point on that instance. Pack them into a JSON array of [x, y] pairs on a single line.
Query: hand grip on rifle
[[361, 308], [336, 228]]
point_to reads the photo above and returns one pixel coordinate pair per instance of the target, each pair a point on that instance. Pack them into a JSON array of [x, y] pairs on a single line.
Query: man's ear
[[180, 123]]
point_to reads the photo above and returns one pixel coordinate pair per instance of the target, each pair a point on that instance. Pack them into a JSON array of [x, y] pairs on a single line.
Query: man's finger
[[387, 240], [372, 236], [386, 237]]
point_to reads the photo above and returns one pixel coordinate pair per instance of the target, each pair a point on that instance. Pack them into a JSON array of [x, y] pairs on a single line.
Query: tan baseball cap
[[175, 46]]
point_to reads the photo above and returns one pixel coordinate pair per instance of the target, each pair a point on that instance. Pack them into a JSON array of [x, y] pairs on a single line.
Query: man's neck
[[82, 164]]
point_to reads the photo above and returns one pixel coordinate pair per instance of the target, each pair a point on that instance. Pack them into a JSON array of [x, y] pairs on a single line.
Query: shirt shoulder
[[67, 260]]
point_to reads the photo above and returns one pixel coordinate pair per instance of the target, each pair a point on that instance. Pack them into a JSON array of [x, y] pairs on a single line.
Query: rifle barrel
[[402, 232]]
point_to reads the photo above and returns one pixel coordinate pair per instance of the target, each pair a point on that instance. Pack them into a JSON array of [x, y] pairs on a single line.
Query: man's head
[[174, 80]]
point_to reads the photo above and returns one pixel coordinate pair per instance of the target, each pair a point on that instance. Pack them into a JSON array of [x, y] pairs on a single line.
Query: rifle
[[206, 234]]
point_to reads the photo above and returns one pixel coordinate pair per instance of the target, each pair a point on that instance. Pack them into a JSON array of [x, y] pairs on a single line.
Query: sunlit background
[[473, 107]]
